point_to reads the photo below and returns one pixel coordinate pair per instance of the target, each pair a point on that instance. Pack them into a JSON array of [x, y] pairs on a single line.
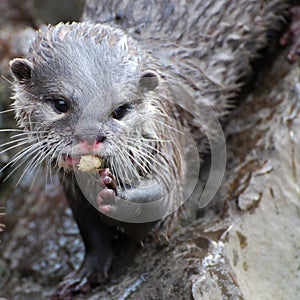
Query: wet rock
[[263, 243]]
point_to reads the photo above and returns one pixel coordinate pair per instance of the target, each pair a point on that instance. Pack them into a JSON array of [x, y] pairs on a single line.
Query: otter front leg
[[98, 238], [114, 203]]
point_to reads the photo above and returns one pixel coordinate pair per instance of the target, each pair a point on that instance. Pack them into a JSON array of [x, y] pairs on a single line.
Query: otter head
[[86, 88]]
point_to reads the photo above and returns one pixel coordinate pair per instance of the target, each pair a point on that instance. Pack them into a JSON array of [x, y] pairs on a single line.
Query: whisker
[[139, 162], [42, 156], [52, 154], [34, 178], [116, 161], [14, 146], [168, 126], [7, 80], [14, 109], [125, 160], [14, 141], [12, 130], [27, 135], [28, 166], [40, 151], [143, 139], [143, 157], [22, 132], [19, 165], [114, 171], [19, 155], [145, 145], [7, 111]]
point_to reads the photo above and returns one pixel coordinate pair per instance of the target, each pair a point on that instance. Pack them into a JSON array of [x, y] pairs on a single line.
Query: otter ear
[[21, 69], [149, 80]]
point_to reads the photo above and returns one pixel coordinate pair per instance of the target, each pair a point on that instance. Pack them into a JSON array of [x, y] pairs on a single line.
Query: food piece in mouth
[[89, 163], [68, 162]]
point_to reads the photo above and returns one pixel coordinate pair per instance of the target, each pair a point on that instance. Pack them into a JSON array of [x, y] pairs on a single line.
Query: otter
[[122, 86]]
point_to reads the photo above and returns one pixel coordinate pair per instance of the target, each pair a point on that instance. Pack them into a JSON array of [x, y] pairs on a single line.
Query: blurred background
[[32, 12]]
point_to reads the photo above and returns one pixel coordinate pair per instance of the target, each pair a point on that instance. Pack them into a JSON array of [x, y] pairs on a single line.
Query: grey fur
[[96, 68]]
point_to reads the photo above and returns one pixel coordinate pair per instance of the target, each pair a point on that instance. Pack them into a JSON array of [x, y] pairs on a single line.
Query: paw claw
[[105, 200], [291, 36], [105, 208]]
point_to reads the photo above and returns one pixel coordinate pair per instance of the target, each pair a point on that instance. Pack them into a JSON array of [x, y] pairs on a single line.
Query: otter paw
[[70, 287], [107, 178], [106, 200], [292, 35], [92, 273]]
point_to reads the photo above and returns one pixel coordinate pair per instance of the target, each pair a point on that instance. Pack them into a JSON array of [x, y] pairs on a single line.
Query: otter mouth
[[83, 163]]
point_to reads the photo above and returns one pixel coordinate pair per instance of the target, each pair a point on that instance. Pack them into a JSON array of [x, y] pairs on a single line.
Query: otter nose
[[90, 139]]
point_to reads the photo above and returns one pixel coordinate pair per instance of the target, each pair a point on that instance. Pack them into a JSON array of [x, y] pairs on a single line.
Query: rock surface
[[263, 244]]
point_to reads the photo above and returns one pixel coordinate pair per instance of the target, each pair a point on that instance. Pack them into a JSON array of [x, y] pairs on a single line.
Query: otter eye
[[122, 110], [60, 105]]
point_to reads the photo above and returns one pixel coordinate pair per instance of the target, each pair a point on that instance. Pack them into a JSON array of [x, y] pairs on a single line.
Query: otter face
[[82, 90]]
